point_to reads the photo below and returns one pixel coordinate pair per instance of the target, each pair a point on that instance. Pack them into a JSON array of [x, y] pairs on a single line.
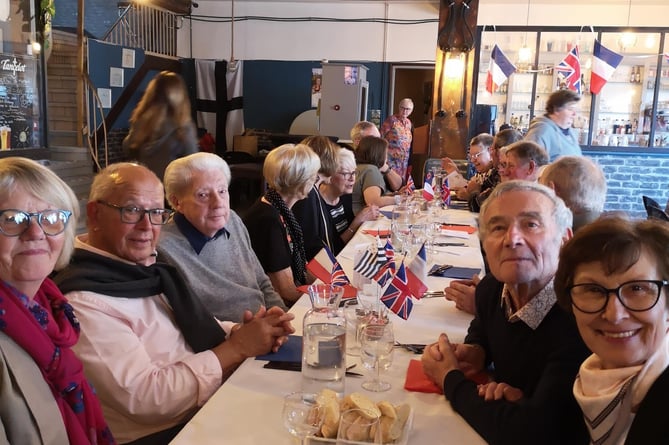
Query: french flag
[[326, 268], [604, 63], [428, 191], [417, 273], [499, 70]]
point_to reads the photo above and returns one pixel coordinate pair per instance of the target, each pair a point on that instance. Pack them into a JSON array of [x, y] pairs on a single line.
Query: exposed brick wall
[[628, 177]]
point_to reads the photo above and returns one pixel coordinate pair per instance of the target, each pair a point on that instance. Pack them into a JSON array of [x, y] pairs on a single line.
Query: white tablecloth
[[247, 407]]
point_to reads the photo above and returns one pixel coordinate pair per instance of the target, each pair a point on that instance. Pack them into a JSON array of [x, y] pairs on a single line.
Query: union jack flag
[[445, 192], [390, 251], [411, 186], [570, 70], [385, 273], [397, 296]]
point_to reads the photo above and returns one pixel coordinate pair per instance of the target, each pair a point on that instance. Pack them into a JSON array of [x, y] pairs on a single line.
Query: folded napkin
[[462, 273], [467, 229], [417, 381], [291, 351]]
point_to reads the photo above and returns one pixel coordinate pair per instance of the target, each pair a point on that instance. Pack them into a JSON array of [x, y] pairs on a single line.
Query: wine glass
[[302, 415], [376, 352]]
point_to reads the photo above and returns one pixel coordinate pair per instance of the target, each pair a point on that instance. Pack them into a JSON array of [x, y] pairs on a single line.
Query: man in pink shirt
[[148, 345]]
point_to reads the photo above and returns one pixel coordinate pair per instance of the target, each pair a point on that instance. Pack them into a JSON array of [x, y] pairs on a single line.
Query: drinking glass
[[356, 316], [302, 415], [359, 426], [376, 352]]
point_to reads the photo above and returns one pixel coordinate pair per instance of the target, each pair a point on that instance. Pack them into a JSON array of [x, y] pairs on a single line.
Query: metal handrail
[[147, 27]]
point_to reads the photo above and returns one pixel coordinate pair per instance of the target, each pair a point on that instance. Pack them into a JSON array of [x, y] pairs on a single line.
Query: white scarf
[[609, 397]]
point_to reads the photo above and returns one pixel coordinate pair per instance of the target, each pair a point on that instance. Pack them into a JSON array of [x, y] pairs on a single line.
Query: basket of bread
[[394, 421]]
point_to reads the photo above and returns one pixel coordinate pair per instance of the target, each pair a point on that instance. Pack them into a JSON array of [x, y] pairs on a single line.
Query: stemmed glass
[[360, 426], [376, 352], [302, 415]]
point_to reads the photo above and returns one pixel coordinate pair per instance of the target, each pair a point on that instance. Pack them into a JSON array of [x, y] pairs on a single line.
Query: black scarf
[[92, 272], [298, 255]]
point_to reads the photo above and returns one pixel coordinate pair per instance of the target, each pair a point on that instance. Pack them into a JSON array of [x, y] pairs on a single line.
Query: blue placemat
[[387, 213], [291, 351], [462, 273]]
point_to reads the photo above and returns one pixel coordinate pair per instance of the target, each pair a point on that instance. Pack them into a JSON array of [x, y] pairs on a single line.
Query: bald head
[[117, 219]]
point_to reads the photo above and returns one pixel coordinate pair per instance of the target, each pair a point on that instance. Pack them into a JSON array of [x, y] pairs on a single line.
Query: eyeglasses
[[406, 108], [15, 222], [347, 175], [475, 156], [636, 296], [133, 215]]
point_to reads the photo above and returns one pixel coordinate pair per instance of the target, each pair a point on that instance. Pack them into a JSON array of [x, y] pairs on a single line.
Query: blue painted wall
[[275, 92]]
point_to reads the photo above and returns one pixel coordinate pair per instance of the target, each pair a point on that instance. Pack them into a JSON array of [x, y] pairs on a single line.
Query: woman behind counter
[[44, 396], [290, 171], [612, 277]]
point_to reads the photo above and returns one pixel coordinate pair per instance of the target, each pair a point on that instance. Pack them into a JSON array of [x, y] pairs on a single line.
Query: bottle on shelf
[[633, 74], [637, 75], [628, 127]]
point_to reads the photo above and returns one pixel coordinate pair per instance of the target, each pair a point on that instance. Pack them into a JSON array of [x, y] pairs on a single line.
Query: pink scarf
[[46, 331]]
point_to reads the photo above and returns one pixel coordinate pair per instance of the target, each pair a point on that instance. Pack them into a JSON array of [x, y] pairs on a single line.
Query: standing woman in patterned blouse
[[398, 131], [276, 237]]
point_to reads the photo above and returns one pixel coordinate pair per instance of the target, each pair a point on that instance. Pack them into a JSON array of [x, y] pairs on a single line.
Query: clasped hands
[[266, 329], [442, 357]]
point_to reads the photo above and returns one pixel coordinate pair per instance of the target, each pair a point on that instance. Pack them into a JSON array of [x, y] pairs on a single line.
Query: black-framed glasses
[[15, 222], [636, 296], [347, 175], [133, 215]]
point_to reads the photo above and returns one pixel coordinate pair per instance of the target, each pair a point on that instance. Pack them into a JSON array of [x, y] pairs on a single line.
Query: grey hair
[[345, 158], [579, 181], [180, 172], [43, 184], [359, 128], [288, 168], [562, 215]]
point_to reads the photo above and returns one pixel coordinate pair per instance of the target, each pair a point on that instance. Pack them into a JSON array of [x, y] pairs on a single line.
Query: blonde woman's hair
[[45, 185], [288, 168]]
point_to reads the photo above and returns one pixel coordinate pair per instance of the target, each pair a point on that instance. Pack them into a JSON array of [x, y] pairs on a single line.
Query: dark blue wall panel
[[275, 92]]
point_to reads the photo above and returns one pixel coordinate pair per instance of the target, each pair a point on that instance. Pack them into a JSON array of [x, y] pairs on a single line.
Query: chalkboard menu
[[18, 102]]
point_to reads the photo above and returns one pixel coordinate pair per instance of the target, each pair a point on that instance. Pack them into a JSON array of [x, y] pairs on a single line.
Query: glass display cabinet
[[631, 112]]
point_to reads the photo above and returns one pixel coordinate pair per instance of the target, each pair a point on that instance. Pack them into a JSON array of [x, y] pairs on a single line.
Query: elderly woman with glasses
[[612, 277], [276, 236], [44, 395], [337, 195]]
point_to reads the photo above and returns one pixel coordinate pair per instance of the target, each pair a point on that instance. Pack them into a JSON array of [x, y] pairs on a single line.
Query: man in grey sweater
[[209, 243]]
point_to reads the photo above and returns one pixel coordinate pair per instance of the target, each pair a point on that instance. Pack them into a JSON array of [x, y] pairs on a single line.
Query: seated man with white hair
[[208, 242], [530, 347]]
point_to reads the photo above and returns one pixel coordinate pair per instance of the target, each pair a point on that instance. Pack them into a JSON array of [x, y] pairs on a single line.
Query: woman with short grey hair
[[277, 239]]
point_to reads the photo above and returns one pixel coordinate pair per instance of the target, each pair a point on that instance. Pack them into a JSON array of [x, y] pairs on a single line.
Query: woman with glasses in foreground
[[612, 277], [44, 396]]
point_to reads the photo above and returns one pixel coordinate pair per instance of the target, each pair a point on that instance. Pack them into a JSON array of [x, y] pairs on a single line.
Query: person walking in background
[[398, 131], [553, 131], [161, 127]]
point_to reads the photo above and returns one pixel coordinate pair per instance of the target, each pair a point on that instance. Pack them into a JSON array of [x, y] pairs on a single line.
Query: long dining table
[[247, 408]]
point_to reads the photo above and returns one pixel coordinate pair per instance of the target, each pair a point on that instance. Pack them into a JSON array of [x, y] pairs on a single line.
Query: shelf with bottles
[[652, 76]]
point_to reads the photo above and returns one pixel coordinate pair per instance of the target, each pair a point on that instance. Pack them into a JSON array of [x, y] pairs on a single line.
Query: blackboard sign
[[18, 101]]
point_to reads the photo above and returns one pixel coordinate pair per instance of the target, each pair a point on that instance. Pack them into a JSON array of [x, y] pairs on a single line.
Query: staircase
[[72, 163]]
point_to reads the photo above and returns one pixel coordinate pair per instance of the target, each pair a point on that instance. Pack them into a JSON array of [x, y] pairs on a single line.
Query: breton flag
[[499, 70], [570, 70], [417, 273], [367, 265], [397, 297], [604, 63]]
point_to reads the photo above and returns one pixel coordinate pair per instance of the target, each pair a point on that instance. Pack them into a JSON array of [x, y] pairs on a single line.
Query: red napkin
[[417, 381], [468, 229], [349, 291], [382, 233]]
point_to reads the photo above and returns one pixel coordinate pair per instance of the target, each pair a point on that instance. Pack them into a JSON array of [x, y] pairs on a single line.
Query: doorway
[[417, 83]]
